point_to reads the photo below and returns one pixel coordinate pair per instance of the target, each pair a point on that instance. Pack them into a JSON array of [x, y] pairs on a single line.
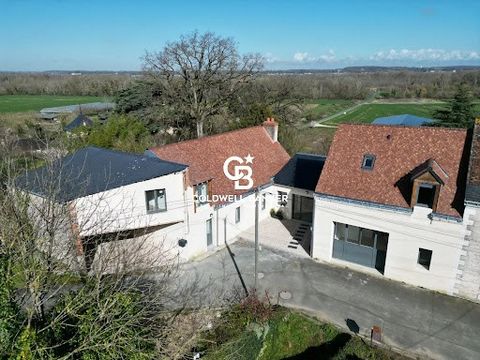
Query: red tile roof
[[206, 156], [398, 151]]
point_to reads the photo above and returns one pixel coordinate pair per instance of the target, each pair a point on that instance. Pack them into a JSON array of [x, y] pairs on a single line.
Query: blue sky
[[113, 35]]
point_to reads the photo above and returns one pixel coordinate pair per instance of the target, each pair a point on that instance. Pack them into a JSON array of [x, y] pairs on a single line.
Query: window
[[353, 234], [264, 201], [426, 195], [367, 238], [282, 198], [368, 162], [425, 258], [201, 193], [237, 215], [156, 200], [360, 236]]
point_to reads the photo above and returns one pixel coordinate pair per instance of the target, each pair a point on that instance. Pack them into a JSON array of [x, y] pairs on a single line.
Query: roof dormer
[[427, 180]]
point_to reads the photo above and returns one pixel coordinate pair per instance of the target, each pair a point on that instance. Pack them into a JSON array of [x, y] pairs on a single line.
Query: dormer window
[[368, 162], [427, 180]]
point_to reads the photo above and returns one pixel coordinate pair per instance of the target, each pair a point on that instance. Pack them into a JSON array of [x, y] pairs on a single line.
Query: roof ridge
[[207, 137]]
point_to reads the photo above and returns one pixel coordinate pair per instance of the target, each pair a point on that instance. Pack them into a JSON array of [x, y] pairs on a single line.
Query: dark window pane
[[425, 257], [367, 237], [150, 199], [382, 241], [353, 234], [340, 231], [426, 195]]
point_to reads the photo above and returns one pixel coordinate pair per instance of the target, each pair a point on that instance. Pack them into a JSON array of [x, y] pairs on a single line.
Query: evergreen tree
[[460, 111]]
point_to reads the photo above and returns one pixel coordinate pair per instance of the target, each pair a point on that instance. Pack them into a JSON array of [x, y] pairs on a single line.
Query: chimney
[[272, 128]]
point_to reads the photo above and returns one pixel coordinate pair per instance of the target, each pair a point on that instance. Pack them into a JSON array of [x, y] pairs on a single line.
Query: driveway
[[421, 322]]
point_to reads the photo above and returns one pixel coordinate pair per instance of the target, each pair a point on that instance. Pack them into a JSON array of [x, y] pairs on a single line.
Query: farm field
[[368, 112], [24, 103], [320, 108]]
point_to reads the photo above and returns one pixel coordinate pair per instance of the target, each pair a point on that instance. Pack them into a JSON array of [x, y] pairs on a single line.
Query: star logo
[[249, 159]]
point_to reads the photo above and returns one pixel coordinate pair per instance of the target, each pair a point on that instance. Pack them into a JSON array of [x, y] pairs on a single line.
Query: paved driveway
[[419, 321]]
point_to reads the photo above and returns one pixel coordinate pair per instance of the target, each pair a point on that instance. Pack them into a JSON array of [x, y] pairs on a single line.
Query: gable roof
[[472, 194], [403, 119], [79, 121], [92, 170], [205, 157], [302, 171], [399, 151]]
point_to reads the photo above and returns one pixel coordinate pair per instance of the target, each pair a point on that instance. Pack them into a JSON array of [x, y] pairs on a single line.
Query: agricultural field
[[24, 103], [320, 108], [366, 113]]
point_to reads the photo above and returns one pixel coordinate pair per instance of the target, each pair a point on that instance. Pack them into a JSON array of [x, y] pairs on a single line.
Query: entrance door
[[302, 208], [209, 233]]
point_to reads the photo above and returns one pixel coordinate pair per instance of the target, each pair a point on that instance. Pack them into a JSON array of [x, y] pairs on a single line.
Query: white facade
[[407, 233]]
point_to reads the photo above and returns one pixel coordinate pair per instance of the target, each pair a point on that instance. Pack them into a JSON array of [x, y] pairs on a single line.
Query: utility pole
[[257, 195]]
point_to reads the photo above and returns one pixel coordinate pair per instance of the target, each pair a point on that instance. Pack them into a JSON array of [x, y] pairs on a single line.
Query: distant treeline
[[53, 84], [395, 85], [345, 85]]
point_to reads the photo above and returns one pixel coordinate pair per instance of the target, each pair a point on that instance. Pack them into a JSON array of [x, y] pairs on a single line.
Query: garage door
[[361, 246]]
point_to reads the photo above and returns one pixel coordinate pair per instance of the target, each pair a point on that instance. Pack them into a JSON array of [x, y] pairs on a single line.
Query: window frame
[[198, 201], [156, 197], [420, 260], [367, 157], [238, 216]]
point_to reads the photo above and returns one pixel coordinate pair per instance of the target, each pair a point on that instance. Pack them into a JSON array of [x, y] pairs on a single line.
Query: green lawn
[[23, 103], [369, 112]]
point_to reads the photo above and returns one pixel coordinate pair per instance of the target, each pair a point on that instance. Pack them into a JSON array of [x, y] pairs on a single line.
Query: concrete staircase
[[301, 238], [468, 278]]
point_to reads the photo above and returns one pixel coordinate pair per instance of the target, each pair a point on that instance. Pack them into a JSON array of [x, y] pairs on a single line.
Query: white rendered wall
[[407, 233], [124, 208]]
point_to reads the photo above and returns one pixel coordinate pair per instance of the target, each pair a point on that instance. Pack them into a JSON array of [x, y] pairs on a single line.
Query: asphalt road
[[420, 322]]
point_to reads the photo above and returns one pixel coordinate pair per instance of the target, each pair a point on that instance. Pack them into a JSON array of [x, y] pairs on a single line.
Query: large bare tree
[[199, 73]]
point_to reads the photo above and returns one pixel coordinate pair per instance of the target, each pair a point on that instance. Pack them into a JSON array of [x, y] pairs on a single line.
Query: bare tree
[[199, 74], [126, 301]]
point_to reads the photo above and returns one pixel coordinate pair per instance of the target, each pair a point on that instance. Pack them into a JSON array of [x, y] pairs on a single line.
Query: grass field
[[369, 112], [24, 103], [320, 108]]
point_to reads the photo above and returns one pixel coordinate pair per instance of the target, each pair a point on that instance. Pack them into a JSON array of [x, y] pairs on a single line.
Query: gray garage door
[[361, 246]]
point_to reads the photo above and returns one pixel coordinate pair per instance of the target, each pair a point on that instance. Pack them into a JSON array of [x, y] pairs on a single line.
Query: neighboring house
[[468, 284], [112, 195], [403, 120], [212, 224], [390, 199], [80, 121]]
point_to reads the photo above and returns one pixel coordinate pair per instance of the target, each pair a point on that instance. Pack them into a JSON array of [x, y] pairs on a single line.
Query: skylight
[[368, 162]]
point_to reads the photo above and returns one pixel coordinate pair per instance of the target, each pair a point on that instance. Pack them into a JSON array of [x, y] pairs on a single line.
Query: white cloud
[[425, 55], [301, 56], [328, 57]]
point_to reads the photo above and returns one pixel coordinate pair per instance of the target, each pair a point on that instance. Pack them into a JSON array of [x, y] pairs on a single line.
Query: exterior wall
[[124, 208], [408, 231], [287, 209], [468, 277], [224, 228]]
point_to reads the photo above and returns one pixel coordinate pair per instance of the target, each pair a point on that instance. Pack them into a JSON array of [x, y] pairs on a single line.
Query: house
[[403, 120], [106, 196], [80, 121], [221, 208], [390, 201], [176, 197]]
